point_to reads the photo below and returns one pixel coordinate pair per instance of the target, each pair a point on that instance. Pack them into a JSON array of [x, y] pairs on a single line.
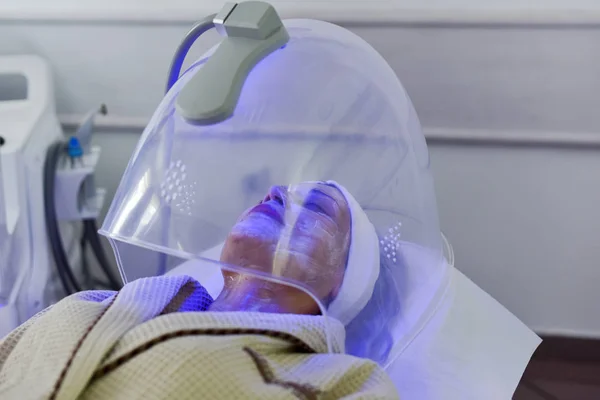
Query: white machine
[[278, 110], [285, 108], [40, 233]]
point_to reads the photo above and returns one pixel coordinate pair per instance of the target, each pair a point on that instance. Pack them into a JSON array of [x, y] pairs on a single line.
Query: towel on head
[[362, 267]]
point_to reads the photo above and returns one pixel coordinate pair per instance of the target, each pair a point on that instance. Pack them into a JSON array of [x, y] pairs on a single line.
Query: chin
[[245, 246], [257, 227]]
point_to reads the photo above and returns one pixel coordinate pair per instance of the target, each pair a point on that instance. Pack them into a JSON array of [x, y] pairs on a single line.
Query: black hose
[[91, 234], [89, 281], [85, 268], [61, 260]]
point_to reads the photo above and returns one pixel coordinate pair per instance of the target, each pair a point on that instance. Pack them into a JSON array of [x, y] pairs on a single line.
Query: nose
[[277, 194]]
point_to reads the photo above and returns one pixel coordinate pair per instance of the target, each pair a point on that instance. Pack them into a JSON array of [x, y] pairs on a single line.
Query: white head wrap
[[362, 268]]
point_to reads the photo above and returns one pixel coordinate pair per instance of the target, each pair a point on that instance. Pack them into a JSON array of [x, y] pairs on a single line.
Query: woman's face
[[300, 233]]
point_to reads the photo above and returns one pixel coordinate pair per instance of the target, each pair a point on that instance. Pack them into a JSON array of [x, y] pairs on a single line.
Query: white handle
[[3, 213], [39, 98], [37, 73]]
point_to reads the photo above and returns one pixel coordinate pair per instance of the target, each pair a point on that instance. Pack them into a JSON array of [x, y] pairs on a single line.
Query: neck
[[256, 295]]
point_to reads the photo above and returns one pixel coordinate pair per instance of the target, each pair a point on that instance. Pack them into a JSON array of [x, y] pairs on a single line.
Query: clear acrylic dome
[[326, 107]]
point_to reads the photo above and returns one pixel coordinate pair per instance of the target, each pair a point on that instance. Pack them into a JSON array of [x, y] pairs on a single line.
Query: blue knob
[[74, 149]]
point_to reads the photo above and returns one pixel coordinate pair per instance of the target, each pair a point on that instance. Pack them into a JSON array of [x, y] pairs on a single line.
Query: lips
[[270, 210]]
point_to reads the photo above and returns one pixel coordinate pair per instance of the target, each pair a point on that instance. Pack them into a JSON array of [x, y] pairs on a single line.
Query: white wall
[[522, 218], [348, 10]]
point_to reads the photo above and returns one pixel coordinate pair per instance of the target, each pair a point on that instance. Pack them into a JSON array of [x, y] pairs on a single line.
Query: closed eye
[[315, 207]]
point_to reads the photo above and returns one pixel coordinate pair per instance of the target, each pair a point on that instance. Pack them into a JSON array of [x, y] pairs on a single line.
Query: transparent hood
[[319, 181]]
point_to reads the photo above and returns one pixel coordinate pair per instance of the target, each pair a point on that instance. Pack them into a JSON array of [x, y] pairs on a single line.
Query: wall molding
[[120, 124], [397, 12], [513, 137]]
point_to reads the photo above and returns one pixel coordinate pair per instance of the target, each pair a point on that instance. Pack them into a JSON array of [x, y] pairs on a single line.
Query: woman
[[258, 339]]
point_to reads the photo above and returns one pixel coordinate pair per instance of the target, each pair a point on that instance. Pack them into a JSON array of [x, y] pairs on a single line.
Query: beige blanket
[[146, 342]]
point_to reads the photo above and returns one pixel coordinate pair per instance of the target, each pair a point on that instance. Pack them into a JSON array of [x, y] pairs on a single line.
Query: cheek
[[309, 238], [316, 227], [330, 243], [250, 246], [318, 245]]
